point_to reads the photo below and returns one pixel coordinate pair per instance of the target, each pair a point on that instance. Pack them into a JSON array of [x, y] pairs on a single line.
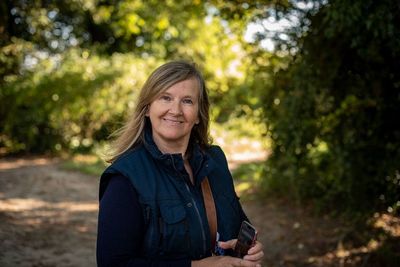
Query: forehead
[[189, 87]]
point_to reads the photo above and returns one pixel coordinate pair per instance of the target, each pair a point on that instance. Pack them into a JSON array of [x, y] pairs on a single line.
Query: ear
[[147, 108], [198, 119]]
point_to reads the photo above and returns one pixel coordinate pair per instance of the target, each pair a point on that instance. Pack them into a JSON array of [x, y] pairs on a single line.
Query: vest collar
[[199, 161]]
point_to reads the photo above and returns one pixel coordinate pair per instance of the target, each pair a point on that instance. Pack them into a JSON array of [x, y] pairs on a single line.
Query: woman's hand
[[255, 253], [252, 259], [224, 261]]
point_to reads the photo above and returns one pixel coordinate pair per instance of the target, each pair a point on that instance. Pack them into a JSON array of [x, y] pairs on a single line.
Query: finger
[[254, 257], [245, 263], [256, 248], [227, 244]]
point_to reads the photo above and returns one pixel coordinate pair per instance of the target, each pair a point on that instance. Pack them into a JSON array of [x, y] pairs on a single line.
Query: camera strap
[[210, 210]]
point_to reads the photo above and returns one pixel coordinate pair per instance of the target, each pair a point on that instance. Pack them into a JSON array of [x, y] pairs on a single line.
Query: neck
[[171, 147]]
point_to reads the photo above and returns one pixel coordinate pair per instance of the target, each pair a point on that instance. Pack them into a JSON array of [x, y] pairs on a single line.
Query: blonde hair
[[132, 133]]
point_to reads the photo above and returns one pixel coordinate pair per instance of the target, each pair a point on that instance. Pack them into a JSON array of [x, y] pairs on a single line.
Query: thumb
[[230, 244]]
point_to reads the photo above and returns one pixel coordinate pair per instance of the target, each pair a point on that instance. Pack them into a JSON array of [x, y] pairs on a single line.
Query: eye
[[187, 101], [165, 98]]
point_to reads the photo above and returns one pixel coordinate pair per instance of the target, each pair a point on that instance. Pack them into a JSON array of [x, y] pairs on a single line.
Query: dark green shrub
[[333, 113]]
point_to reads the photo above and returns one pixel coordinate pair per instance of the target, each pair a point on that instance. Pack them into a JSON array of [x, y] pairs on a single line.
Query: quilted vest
[[173, 208]]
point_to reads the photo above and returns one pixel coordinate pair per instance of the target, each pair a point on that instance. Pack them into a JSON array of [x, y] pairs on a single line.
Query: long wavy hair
[[168, 74]]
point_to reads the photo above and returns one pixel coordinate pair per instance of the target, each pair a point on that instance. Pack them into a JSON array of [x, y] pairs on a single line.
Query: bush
[[69, 101], [331, 113]]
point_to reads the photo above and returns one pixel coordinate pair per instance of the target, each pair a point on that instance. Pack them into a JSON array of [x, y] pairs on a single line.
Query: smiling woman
[[166, 179], [163, 85], [173, 115]]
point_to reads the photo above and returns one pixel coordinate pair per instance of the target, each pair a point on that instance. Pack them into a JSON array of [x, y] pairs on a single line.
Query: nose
[[176, 108]]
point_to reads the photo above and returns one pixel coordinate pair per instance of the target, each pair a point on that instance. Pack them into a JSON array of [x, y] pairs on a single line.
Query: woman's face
[[174, 113]]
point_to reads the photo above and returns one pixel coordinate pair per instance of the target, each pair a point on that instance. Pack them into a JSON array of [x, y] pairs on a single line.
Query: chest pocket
[[174, 231]]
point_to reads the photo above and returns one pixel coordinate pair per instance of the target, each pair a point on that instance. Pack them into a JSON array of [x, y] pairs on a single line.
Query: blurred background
[[305, 101]]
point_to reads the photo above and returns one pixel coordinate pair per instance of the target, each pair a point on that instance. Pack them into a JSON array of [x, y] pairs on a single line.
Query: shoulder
[[216, 153], [130, 154], [127, 159], [118, 185], [122, 167]]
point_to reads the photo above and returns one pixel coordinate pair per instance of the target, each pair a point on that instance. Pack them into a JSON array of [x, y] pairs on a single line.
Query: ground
[[48, 217]]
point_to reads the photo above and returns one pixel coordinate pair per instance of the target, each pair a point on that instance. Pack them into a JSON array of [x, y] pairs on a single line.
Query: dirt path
[[48, 217]]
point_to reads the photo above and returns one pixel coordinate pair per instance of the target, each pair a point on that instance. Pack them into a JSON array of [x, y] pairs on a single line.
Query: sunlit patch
[[18, 163], [349, 255], [242, 187], [83, 229], [389, 223], [78, 206], [29, 204], [247, 150], [20, 204], [248, 156], [36, 212], [86, 158]]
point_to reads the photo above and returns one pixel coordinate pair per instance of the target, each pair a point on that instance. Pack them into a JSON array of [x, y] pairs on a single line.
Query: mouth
[[172, 121]]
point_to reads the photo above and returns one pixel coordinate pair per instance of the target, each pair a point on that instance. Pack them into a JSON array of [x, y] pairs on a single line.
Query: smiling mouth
[[173, 121]]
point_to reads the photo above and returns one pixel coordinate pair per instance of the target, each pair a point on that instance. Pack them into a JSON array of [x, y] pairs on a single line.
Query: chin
[[174, 137]]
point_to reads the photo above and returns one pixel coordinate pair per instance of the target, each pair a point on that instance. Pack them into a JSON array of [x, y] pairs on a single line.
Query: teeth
[[173, 121]]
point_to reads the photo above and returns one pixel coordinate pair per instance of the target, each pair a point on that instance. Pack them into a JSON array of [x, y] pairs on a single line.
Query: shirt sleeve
[[121, 228]]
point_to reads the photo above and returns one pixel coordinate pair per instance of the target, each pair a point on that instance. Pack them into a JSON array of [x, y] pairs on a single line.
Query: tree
[[44, 93], [331, 112]]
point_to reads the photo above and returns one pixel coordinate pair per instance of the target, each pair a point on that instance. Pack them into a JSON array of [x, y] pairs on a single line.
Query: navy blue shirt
[[121, 228]]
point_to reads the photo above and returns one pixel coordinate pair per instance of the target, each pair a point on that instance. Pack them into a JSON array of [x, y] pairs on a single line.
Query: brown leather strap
[[210, 210]]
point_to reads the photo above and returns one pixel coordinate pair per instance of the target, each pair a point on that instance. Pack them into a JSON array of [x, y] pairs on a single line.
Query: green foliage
[[331, 112], [151, 27], [69, 101], [75, 97], [328, 96], [248, 177]]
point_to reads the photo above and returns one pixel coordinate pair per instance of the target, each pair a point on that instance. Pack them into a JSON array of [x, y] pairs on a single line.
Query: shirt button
[[189, 205]]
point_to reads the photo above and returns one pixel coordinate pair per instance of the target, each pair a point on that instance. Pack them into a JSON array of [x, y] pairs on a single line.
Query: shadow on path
[[48, 217]]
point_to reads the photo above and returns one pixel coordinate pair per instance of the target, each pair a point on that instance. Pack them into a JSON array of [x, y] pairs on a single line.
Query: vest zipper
[[200, 220], [195, 207]]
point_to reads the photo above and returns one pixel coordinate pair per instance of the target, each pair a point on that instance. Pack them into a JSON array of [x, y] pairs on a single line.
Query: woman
[[152, 211]]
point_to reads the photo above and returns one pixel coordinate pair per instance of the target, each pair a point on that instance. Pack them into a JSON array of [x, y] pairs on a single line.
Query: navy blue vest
[[173, 208]]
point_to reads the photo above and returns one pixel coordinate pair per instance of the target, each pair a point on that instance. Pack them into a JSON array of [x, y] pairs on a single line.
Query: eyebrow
[[185, 96]]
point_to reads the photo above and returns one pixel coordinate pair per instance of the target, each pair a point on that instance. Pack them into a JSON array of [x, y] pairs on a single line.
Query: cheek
[[194, 116], [153, 111]]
